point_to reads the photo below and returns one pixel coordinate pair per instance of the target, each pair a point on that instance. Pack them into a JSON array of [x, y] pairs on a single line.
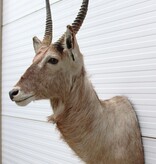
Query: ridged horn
[[77, 22], [49, 26]]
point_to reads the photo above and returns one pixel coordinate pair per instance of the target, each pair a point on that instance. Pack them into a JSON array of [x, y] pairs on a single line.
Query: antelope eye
[[53, 61]]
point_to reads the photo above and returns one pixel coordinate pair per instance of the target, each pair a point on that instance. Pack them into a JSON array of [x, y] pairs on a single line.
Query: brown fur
[[99, 132]]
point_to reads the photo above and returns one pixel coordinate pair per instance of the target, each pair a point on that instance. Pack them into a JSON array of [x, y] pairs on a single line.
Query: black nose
[[13, 93]]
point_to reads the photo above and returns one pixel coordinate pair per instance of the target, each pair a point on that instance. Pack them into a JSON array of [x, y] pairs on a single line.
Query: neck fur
[[80, 97], [75, 115]]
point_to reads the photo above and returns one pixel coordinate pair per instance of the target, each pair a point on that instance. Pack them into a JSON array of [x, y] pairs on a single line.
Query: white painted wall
[[118, 40]]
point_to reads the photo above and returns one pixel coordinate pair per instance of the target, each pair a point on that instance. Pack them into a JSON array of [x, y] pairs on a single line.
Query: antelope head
[[54, 65]]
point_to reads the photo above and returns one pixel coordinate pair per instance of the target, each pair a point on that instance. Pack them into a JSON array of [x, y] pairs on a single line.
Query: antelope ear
[[70, 40], [36, 43]]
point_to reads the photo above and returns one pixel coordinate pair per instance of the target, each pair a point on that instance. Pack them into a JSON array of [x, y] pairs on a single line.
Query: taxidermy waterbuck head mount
[[54, 65]]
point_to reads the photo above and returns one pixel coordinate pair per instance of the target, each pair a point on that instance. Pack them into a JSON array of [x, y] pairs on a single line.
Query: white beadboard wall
[[118, 40]]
